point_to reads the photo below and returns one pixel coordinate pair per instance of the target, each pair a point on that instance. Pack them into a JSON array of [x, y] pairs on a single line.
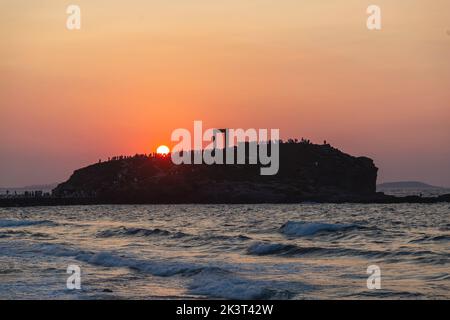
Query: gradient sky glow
[[139, 69]]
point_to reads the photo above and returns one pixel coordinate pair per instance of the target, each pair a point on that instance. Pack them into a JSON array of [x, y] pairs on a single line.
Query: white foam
[[157, 268], [115, 260], [239, 288], [209, 280]]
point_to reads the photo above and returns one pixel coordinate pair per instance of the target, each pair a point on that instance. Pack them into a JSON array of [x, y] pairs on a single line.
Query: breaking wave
[[300, 229], [115, 260], [290, 250], [267, 248], [142, 232], [240, 288], [203, 279]]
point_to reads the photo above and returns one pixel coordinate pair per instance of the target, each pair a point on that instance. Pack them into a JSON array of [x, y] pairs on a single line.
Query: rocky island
[[307, 172]]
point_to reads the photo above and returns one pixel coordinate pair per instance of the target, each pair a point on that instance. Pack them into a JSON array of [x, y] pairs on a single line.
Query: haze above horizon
[[139, 69]]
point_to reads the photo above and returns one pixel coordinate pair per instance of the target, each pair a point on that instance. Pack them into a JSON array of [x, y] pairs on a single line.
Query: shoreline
[[377, 199]]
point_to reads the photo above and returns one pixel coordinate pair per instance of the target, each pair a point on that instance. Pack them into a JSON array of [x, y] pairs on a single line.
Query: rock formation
[[308, 172]]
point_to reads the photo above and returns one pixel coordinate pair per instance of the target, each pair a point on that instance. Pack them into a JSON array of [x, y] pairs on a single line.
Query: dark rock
[[307, 172]]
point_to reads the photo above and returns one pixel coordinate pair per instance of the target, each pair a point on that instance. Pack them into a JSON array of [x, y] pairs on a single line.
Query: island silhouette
[[308, 173]]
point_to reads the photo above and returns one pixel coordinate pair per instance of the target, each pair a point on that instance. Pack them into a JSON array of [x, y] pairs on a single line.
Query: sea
[[261, 251]]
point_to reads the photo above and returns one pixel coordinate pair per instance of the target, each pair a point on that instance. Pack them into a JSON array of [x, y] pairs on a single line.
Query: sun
[[163, 150]]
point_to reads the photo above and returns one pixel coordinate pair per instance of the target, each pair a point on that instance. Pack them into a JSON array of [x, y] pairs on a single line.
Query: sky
[[137, 70]]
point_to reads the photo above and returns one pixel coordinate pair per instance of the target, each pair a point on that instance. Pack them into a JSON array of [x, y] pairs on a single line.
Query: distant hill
[[406, 185]]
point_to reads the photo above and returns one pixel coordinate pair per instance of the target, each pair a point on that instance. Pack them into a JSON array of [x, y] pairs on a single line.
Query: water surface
[[304, 251]]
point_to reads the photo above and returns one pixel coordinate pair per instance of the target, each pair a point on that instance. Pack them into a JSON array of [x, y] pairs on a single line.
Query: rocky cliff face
[[307, 172]]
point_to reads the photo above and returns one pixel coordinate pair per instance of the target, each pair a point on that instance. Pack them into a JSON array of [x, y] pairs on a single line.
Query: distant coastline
[[412, 188], [407, 185]]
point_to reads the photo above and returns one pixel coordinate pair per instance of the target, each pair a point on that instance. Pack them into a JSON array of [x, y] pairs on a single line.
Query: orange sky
[[139, 69]]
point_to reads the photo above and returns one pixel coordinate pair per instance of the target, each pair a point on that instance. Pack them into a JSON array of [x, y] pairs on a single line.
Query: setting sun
[[163, 150]]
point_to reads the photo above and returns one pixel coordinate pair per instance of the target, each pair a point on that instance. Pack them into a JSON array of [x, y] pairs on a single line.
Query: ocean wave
[[440, 238], [156, 268], [213, 237], [239, 288], [6, 223], [440, 277], [142, 232], [21, 233], [261, 248], [387, 294], [290, 250], [435, 259], [115, 260], [300, 228], [138, 232], [267, 248], [210, 280]]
